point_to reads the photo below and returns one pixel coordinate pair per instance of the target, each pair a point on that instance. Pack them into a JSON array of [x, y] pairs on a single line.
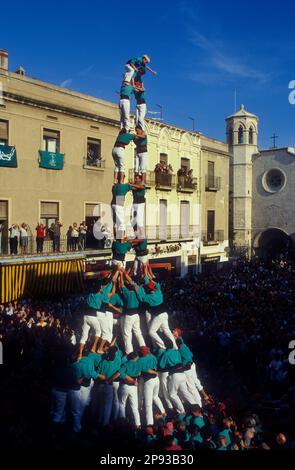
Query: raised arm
[[151, 70]]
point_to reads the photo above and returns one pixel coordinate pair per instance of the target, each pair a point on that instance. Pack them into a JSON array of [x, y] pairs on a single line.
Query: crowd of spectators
[[238, 322], [49, 238]]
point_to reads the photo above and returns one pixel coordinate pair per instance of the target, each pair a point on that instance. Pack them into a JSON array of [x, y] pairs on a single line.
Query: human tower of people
[[158, 376]]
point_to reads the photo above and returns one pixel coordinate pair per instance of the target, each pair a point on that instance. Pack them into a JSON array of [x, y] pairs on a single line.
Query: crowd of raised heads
[[239, 348]]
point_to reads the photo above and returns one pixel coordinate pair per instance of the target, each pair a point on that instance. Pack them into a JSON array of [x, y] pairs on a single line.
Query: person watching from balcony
[[75, 236], [24, 236], [82, 235], [13, 238], [40, 229]]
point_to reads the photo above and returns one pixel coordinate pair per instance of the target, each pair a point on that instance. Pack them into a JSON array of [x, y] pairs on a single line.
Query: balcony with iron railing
[[161, 181], [212, 183], [212, 238], [169, 232], [154, 233], [186, 185]]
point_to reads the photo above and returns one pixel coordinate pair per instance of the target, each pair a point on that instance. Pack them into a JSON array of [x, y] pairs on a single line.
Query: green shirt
[[141, 246], [95, 359], [87, 368], [131, 368], [95, 300], [130, 298], [148, 362], [109, 368], [186, 354], [121, 248], [138, 193], [74, 374], [141, 141], [126, 90], [152, 299], [124, 138], [121, 189], [169, 358], [116, 300]]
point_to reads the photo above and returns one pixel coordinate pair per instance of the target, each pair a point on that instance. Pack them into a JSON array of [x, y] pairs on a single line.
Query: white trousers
[[131, 324], [110, 322], [140, 115], [116, 405], [58, 406], [118, 154], [128, 73], [191, 385], [75, 407], [119, 217], [151, 395], [129, 392], [85, 397], [101, 316], [161, 322], [90, 322], [138, 215], [139, 261], [106, 393], [141, 162], [177, 385], [124, 107], [164, 376]]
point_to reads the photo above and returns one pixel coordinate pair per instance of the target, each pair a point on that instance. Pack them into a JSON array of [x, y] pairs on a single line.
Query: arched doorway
[[272, 242]]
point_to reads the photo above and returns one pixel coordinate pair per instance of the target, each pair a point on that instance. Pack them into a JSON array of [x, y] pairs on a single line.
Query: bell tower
[[242, 133]]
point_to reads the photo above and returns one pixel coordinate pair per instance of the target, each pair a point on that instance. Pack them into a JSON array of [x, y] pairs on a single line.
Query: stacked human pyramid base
[[127, 351]]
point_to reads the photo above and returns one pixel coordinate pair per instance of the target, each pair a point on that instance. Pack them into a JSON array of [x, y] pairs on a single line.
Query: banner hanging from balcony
[[8, 156], [51, 160]]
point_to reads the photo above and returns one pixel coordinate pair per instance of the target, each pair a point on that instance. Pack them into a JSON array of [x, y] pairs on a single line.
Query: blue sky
[[202, 51]]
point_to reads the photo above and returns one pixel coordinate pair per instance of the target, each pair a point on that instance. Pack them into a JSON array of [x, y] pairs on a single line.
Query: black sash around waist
[[124, 97], [86, 382], [141, 148], [142, 253], [119, 256], [131, 311], [91, 312], [158, 309], [138, 199], [147, 376]]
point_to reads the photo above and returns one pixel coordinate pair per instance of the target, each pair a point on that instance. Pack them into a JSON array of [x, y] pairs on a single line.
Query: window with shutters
[[211, 174], [4, 127], [51, 141], [49, 213]]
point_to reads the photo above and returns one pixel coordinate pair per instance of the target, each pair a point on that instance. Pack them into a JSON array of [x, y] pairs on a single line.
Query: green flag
[[51, 160], [8, 156]]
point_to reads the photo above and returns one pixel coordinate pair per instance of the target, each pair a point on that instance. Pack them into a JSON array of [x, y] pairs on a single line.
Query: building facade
[[214, 248], [261, 213], [60, 142]]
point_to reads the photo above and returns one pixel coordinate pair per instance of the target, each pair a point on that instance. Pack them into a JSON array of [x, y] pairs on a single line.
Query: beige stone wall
[[73, 186], [217, 152], [31, 105]]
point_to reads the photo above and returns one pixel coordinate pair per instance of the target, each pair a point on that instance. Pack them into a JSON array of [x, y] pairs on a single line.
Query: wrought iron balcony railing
[[187, 185], [212, 183], [212, 238]]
